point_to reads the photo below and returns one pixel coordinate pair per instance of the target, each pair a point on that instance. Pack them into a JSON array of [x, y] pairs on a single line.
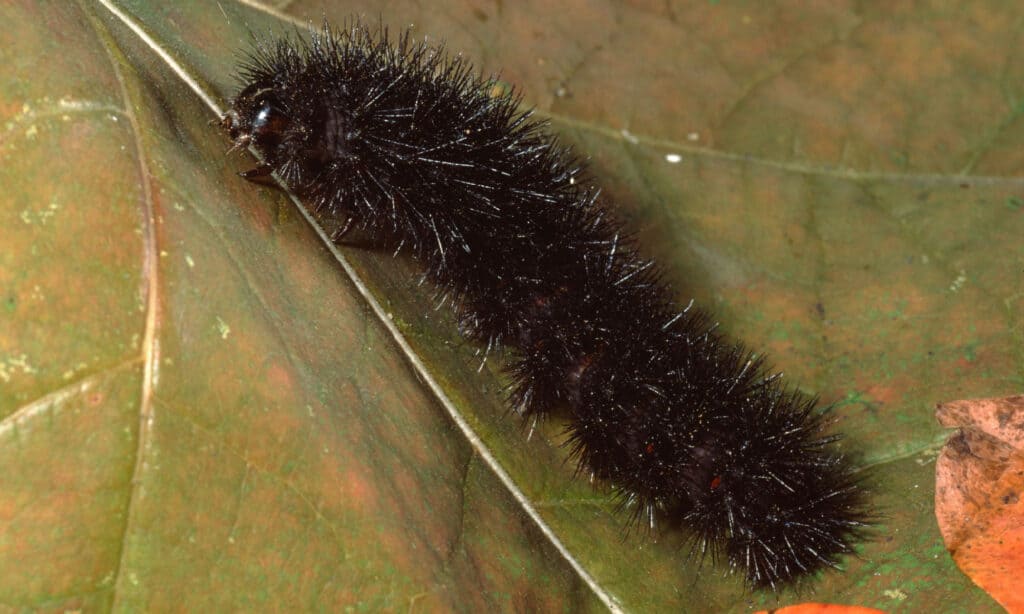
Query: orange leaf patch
[[979, 480], [823, 608]]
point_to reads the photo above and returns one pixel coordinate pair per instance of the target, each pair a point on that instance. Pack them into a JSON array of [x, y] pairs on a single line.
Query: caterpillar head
[[257, 117], [299, 138]]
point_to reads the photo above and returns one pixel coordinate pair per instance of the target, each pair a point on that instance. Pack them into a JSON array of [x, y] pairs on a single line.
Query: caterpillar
[[409, 145]]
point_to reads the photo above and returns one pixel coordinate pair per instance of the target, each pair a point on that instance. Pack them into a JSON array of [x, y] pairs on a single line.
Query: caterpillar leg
[[340, 232], [260, 175]]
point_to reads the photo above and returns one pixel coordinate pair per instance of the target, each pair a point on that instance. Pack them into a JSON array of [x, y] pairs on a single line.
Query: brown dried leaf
[[823, 608], [979, 477]]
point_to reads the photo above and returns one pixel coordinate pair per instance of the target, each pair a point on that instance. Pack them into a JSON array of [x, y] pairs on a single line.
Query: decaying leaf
[[979, 478]]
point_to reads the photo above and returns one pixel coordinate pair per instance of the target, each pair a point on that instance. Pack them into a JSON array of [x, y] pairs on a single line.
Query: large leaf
[[199, 411]]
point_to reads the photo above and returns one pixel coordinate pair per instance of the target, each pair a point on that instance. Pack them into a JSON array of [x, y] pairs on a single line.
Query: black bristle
[[409, 144]]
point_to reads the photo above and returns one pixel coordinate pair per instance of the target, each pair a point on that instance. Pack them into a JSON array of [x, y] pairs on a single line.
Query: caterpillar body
[[396, 138]]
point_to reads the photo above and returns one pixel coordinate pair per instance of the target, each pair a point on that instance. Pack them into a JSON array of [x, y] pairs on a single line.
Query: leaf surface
[[199, 411]]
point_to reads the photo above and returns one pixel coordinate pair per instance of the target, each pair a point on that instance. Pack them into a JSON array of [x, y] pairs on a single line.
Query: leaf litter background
[[197, 410]]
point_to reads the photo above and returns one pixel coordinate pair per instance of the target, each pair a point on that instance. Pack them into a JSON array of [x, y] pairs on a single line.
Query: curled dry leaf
[[979, 478], [823, 608]]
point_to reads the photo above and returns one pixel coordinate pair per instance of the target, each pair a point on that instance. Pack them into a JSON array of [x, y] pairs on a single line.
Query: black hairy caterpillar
[[411, 146]]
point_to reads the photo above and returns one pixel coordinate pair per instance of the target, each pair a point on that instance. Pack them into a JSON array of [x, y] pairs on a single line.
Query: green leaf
[[200, 410]]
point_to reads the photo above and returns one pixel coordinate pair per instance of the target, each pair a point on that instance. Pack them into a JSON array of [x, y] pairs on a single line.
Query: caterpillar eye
[[267, 125], [256, 117], [268, 122]]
